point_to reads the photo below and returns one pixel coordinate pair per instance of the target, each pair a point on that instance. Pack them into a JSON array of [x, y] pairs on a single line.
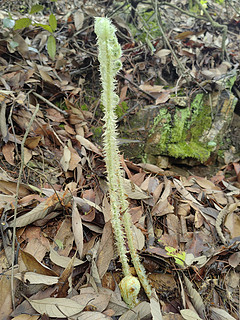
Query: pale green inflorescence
[[110, 64]]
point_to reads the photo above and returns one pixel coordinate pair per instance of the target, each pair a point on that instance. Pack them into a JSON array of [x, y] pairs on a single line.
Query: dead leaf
[[88, 145], [44, 208], [218, 313], [98, 300], [32, 142], [61, 260], [25, 317], [188, 314], [141, 311], [78, 18], [8, 152], [106, 250], [57, 307], [36, 278], [65, 160], [155, 308], [93, 315], [195, 297], [33, 265], [77, 228]]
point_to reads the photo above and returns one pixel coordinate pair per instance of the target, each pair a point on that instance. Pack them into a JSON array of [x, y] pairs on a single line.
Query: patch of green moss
[[121, 109], [84, 107], [177, 132], [97, 132]]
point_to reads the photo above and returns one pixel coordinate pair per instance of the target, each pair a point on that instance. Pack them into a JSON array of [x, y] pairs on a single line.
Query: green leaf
[[22, 23], [44, 26], [53, 22], [36, 8], [178, 256], [8, 23], [51, 46]]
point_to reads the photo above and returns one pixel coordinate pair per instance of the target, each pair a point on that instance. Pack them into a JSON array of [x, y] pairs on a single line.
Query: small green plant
[[26, 22], [110, 63]]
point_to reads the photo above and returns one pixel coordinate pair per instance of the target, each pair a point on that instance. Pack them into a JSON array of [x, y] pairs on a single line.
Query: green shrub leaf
[[51, 46], [36, 8], [44, 26], [53, 22], [22, 23]]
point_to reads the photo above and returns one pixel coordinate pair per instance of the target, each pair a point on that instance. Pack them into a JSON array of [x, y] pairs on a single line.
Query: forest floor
[[54, 203]]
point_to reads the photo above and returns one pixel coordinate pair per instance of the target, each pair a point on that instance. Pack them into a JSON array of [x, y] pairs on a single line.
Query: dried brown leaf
[[57, 307], [106, 250], [61, 260], [195, 298], [77, 228]]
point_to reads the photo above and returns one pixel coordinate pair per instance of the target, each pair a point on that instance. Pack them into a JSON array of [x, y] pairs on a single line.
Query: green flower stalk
[[110, 63]]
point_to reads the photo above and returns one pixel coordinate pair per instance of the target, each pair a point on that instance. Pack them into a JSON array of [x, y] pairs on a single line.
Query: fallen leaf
[[77, 228], [57, 307]]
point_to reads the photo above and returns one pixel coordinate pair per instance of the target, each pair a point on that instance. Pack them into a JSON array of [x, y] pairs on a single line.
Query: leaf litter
[[187, 228]]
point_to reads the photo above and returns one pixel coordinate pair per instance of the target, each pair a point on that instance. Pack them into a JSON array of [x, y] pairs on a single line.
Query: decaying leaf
[[57, 307], [77, 228], [195, 298], [61, 260]]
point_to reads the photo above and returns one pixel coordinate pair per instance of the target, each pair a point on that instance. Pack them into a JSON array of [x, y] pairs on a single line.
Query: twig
[[136, 86], [50, 103], [16, 202]]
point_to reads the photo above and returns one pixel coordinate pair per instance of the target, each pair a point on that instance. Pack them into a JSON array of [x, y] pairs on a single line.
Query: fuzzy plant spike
[[110, 63]]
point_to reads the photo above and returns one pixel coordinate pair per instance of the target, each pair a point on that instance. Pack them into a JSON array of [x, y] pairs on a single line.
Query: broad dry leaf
[[139, 239], [162, 53], [149, 88], [10, 187], [141, 311], [78, 18], [89, 296], [8, 152], [233, 224], [195, 297], [106, 250], [93, 315], [36, 278], [155, 308], [88, 145], [33, 265], [64, 237], [65, 160], [32, 142], [57, 307], [77, 228], [26, 317], [188, 314], [65, 280], [44, 208], [61, 260], [133, 191], [5, 297], [220, 314], [234, 259]]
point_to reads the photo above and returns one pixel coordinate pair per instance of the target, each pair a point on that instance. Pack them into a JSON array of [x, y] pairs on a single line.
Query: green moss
[[84, 107], [97, 132], [177, 132], [121, 109]]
